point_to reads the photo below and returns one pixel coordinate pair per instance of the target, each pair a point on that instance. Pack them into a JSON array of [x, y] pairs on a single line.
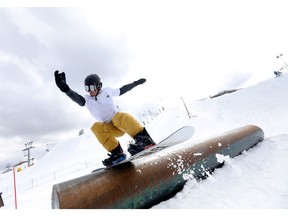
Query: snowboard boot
[[142, 142], [115, 157]]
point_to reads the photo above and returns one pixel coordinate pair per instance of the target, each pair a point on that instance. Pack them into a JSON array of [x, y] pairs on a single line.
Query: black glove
[[140, 81], [60, 80]]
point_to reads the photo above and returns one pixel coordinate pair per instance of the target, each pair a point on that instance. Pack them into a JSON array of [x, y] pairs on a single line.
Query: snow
[[256, 179]]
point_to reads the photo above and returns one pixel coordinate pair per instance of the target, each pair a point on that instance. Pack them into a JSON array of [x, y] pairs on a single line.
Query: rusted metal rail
[[149, 180]]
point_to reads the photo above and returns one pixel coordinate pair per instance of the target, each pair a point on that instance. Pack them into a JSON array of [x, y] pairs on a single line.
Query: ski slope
[[256, 179]]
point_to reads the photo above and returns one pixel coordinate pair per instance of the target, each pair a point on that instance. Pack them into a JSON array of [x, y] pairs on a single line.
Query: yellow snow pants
[[121, 123]]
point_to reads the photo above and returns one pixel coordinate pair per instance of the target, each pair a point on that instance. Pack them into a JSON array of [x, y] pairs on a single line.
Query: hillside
[[250, 180]]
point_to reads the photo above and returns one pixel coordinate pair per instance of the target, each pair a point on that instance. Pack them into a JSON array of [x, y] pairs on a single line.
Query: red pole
[[15, 194]]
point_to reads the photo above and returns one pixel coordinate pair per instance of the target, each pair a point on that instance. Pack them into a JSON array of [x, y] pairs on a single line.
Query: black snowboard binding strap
[[142, 142], [115, 157]]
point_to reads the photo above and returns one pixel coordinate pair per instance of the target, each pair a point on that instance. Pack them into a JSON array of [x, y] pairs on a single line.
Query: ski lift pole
[[188, 113], [15, 193]]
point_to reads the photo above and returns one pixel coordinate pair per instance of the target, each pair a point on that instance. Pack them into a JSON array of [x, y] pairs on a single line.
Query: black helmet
[[93, 79]]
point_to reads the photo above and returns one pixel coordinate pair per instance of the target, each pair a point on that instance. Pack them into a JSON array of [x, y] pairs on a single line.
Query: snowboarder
[[111, 123]]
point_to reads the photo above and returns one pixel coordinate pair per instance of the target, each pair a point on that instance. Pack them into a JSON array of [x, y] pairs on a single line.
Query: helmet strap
[[98, 91]]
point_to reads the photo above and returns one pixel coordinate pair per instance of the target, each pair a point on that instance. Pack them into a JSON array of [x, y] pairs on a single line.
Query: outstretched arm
[[79, 99], [130, 86], [60, 80]]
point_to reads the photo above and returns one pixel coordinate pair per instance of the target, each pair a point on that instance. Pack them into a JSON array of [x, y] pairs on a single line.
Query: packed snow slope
[[255, 179]]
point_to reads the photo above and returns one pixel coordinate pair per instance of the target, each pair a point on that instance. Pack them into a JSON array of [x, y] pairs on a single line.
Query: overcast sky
[[183, 48]]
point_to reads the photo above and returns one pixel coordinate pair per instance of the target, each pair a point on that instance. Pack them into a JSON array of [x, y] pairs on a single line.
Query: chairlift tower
[[28, 147]]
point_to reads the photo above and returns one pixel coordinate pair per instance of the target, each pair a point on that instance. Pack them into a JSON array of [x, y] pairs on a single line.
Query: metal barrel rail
[[149, 180]]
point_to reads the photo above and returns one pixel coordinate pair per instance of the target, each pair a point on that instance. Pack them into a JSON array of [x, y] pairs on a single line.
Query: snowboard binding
[[142, 142], [115, 157]]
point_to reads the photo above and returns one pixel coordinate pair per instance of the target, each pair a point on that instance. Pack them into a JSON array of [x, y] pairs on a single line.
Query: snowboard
[[177, 137]]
